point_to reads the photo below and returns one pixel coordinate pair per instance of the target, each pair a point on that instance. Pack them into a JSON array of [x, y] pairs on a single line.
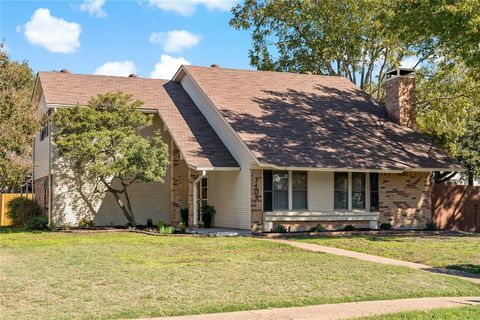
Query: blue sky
[[149, 38]]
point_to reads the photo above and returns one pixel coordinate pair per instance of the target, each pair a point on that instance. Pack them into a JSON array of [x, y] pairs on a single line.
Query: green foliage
[[468, 149], [349, 227], [385, 226], [160, 224], [317, 228], [431, 225], [208, 212], [37, 223], [441, 27], [166, 230], [18, 122], [86, 223], [341, 38], [21, 209], [279, 228], [182, 227], [104, 144], [184, 215]]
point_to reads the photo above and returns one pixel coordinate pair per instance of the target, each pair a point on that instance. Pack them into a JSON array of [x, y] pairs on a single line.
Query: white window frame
[[350, 193], [289, 191]]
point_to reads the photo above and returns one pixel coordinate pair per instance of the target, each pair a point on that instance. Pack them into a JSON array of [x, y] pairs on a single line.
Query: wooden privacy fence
[[5, 198], [456, 207]]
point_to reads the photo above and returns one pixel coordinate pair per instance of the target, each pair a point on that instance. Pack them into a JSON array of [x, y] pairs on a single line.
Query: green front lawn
[[460, 252], [126, 275], [462, 313]]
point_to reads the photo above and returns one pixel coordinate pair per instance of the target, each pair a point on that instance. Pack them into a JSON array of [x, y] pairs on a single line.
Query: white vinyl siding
[[320, 191], [73, 201], [232, 189], [41, 149]]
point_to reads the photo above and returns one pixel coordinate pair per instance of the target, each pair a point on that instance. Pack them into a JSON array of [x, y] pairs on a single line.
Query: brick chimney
[[400, 96]]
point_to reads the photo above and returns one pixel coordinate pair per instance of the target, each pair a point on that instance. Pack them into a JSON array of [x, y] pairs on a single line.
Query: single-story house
[[265, 148]]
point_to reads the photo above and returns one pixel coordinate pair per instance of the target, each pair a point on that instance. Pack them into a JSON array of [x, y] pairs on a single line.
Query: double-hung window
[[373, 192], [358, 190], [353, 191], [279, 193], [280, 190], [299, 190], [340, 193]]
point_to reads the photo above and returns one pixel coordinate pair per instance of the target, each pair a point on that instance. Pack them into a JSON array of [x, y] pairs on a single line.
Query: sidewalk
[[475, 278], [337, 311]]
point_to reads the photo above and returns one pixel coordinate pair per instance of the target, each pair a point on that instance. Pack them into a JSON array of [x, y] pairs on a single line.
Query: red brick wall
[[256, 201], [400, 100], [405, 199]]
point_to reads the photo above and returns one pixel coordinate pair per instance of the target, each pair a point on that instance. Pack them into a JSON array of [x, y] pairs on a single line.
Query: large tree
[[342, 38], [18, 122], [361, 39], [103, 144], [440, 27]]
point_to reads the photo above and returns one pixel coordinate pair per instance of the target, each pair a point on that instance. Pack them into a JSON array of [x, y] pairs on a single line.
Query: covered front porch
[[299, 200]]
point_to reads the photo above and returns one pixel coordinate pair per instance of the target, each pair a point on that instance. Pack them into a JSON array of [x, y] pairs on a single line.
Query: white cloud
[[93, 7], [188, 7], [54, 34], [167, 67], [175, 41], [116, 68]]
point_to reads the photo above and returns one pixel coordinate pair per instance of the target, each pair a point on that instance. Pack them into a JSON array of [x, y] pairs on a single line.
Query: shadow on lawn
[[468, 267]]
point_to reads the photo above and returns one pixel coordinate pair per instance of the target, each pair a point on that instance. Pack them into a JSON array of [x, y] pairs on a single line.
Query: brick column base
[[256, 203]]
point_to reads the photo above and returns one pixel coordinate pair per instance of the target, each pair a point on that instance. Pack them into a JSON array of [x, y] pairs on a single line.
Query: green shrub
[[20, 210], [149, 223], [166, 229], [349, 227], [208, 212], [86, 223], [385, 226], [184, 216], [160, 223], [37, 223], [182, 227], [431, 225], [279, 228], [317, 228]]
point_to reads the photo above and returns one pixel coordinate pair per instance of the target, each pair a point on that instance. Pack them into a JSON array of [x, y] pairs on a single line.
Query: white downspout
[[195, 209]]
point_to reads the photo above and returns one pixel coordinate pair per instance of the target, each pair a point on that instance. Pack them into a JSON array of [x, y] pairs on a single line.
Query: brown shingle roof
[[300, 120], [200, 145]]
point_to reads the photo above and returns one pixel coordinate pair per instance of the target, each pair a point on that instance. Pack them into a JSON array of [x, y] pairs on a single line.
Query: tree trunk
[[470, 179], [127, 210]]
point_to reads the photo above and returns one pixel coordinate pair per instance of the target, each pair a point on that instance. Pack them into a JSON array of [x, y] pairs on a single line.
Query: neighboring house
[[264, 148]]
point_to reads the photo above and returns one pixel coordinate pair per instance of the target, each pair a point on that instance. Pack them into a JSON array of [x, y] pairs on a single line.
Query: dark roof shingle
[[300, 120], [199, 143]]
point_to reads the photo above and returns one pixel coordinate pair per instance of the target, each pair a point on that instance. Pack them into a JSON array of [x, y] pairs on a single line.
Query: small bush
[[37, 223], [279, 228], [385, 226], [317, 228], [166, 229], [20, 210], [431, 225], [149, 223], [182, 227], [349, 227], [160, 223], [184, 216], [86, 223]]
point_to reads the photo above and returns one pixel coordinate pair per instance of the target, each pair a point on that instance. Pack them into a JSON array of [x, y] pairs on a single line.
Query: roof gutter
[[270, 166]]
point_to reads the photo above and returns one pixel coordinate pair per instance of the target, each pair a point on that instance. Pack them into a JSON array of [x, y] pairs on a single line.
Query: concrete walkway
[[377, 259], [338, 310]]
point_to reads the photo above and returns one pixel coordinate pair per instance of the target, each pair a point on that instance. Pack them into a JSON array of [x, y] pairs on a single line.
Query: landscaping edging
[[358, 232]]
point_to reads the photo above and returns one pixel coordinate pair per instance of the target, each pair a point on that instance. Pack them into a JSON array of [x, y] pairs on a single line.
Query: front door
[[202, 191]]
